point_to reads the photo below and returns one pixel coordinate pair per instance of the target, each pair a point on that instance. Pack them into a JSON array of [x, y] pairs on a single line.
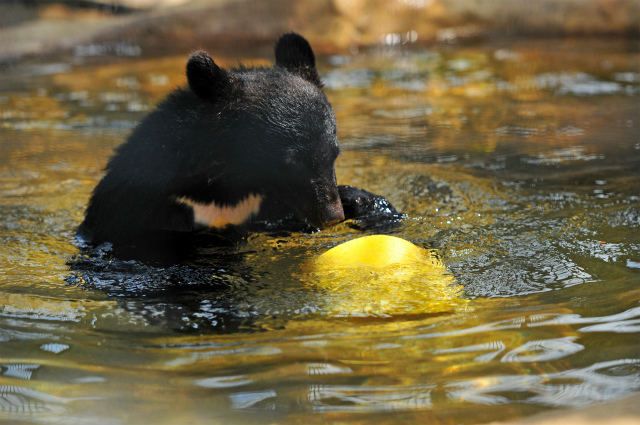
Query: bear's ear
[[207, 79], [294, 53]]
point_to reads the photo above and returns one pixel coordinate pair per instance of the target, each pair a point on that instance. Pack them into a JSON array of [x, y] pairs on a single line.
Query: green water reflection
[[517, 163]]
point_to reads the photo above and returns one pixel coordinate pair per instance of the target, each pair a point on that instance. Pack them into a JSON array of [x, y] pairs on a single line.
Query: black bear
[[233, 145]]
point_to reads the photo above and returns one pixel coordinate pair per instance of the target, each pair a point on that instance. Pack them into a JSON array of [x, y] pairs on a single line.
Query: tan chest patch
[[213, 215]]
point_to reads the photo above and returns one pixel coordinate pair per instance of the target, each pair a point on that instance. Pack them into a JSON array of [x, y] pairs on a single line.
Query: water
[[517, 163]]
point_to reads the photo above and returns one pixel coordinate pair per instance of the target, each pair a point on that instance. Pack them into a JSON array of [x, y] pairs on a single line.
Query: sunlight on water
[[516, 166]]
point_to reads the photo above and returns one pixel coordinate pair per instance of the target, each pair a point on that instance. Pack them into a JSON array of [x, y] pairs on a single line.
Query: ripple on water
[[579, 387], [19, 402], [577, 84]]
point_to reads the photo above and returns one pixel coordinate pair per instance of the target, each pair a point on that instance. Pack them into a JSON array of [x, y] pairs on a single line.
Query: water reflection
[[253, 400], [540, 351], [621, 323], [223, 382], [494, 349], [20, 403], [571, 388], [337, 398]]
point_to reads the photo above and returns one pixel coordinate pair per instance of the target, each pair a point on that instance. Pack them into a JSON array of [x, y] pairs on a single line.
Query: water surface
[[517, 163]]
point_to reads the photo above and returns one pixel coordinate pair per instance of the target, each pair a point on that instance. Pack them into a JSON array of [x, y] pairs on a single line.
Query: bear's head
[[267, 132]]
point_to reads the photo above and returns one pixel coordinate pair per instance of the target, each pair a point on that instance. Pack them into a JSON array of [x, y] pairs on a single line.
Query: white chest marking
[[213, 215]]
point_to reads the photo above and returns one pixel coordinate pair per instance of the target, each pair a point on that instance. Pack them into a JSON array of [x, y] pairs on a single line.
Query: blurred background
[[332, 26]]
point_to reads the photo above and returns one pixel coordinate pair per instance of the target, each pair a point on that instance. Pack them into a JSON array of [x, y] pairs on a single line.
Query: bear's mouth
[[322, 218], [319, 208]]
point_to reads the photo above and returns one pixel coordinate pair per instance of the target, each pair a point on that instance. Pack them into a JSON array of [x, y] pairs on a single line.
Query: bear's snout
[[332, 215]]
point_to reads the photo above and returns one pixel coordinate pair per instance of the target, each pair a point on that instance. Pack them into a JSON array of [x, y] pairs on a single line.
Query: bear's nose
[[332, 215]]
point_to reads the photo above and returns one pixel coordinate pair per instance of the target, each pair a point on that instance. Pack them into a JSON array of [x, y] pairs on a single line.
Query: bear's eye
[[298, 167], [292, 157], [292, 162], [298, 172]]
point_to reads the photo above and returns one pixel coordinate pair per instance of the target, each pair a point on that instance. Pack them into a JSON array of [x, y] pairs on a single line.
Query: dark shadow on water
[[168, 282], [197, 282]]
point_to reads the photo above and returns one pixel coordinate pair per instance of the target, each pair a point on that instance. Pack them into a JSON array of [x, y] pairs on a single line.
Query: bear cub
[[235, 145]]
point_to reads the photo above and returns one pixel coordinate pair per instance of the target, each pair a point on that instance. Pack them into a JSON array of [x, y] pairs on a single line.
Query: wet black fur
[[230, 133]]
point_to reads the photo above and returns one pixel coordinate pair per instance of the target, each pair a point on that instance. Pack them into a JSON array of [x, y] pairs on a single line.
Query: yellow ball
[[375, 251], [381, 276]]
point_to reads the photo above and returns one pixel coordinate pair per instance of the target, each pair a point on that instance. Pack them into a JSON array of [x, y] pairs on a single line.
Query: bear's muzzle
[[331, 215]]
